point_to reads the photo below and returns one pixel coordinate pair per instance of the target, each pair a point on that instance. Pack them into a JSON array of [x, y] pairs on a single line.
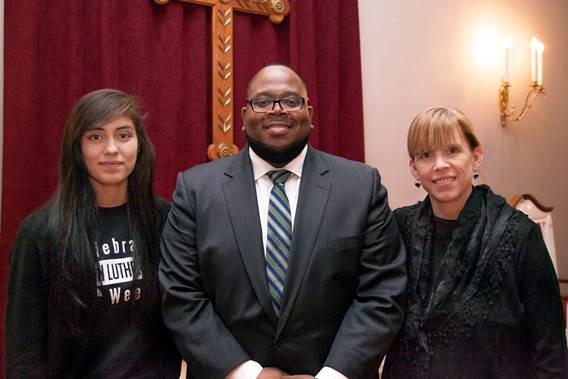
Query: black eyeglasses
[[266, 104]]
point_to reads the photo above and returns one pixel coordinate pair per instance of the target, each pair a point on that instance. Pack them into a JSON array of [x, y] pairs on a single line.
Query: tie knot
[[279, 176]]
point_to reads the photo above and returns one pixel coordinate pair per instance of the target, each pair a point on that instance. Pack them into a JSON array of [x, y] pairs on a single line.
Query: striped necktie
[[279, 238]]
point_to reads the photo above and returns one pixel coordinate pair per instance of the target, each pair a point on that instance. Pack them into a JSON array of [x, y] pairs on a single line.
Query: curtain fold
[[56, 51]]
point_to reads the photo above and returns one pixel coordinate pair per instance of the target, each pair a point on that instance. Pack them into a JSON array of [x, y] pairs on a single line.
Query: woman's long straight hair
[[73, 219]]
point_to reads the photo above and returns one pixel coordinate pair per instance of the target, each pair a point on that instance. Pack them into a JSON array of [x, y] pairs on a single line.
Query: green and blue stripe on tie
[[279, 238]]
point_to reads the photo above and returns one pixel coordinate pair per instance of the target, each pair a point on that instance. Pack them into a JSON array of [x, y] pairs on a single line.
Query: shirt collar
[[260, 167]]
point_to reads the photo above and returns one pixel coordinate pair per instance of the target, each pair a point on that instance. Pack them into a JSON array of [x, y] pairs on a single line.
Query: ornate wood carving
[[222, 63], [516, 199]]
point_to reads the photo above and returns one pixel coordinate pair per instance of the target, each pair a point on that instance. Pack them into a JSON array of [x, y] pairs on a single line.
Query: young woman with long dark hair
[[83, 297]]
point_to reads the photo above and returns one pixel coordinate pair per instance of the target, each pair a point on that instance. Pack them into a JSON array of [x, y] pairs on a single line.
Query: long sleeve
[[26, 312], [377, 311], [187, 311], [541, 296]]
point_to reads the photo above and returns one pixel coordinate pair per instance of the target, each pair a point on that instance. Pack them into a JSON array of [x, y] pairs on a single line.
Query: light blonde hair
[[433, 129]]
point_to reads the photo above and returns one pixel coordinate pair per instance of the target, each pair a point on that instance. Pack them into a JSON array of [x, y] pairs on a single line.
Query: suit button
[[279, 343]]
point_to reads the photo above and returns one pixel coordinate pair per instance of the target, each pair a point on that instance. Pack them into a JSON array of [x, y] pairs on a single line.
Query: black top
[[122, 342], [484, 303], [441, 238]]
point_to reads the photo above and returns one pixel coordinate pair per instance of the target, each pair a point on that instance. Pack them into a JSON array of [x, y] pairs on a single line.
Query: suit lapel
[[312, 199], [240, 197]]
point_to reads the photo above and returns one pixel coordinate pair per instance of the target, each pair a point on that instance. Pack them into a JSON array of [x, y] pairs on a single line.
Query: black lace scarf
[[467, 282]]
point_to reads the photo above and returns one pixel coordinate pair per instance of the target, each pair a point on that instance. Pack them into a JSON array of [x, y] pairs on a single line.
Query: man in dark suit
[[267, 272]]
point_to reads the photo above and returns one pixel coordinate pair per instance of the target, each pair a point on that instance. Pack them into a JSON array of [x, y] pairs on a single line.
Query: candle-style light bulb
[[540, 51], [534, 45], [507, 43]]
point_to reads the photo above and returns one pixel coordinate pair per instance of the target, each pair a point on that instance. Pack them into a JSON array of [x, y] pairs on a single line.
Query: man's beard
[[277, 157]]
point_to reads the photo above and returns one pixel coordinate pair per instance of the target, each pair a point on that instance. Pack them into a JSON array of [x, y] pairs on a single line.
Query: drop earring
[[417, 183], [475, 175]]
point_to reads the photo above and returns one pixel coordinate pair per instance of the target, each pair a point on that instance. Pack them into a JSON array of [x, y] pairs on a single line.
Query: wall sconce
[[536, 87]]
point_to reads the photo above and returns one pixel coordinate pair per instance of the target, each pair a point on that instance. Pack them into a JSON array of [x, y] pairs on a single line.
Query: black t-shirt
[[122, 342], [119, 337], [117, 283]]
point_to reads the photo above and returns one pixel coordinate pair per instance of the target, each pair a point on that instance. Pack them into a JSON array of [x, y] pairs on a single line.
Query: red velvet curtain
[[56, 51]]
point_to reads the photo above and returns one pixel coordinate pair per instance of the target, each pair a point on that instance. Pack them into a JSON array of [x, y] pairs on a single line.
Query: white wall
[[416, 54]]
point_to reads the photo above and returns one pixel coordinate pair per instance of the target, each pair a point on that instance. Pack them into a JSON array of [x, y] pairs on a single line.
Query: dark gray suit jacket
[[345, 291]]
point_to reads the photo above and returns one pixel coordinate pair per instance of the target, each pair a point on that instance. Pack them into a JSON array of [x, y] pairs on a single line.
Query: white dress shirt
[[263, 183]]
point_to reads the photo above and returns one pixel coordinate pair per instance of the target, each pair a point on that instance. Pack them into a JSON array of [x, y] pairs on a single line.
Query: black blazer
[[344, 295]]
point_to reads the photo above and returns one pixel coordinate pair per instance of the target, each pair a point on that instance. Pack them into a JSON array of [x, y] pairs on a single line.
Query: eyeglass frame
[[274, 101]]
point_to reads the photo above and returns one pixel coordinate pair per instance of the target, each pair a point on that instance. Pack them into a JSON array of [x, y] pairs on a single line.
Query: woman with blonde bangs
[[483, 297]]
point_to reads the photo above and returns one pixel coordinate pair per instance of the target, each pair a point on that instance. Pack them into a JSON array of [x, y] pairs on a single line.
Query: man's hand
[[271, 373]]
